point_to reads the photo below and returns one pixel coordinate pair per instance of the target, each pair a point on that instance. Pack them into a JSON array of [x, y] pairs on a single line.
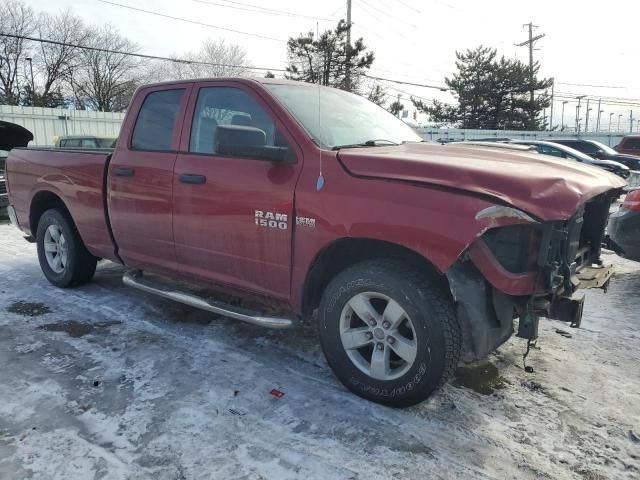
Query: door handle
[[123, 172], [193, 179]]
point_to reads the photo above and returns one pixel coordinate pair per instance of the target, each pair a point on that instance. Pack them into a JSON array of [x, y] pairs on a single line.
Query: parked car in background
[[562, 151], [629, 145], [599, 151], [624, 227], [85, 142]]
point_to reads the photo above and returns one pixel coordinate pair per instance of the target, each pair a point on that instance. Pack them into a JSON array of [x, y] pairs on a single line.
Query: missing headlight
[[515, 247]]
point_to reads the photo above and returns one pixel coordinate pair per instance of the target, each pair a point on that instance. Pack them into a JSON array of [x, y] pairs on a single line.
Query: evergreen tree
[[328, 60], [492, 94]]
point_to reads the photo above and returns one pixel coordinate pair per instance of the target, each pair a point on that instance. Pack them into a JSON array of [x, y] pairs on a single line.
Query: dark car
[[562, 151], [11, 135], [599, 150], [4, 199], [624, 227], [630, 145]]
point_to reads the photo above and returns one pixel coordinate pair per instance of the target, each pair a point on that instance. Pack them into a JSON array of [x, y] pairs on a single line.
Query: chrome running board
[[135, 279]]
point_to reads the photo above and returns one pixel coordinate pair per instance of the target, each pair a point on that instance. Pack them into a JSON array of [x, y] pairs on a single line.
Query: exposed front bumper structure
[[529, 271]]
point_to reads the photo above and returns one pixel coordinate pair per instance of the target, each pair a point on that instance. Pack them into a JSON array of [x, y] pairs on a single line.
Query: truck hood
[[545, 187]]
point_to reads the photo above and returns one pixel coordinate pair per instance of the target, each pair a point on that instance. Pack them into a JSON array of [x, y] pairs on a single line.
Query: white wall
[[47, 124]]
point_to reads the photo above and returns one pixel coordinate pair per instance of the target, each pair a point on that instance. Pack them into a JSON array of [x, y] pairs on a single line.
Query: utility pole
[[619, 117], [33, 83], [599, 112], [630, 120], [564, 102], [530, 43], [348, 52], [553, 84], [610, 120], [579, 97], [586, 122]]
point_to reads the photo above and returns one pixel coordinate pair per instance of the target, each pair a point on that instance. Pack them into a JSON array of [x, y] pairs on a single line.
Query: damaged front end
[[528, 269]]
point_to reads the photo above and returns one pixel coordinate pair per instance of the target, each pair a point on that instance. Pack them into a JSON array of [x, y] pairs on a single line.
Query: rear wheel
[[389, 333], [64, 259]]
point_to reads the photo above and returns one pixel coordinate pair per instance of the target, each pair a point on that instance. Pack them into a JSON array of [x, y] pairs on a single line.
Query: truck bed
[[76, 177]]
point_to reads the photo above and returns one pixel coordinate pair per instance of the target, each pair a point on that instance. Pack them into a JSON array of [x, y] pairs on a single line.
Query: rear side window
[[631, 144], [156, 121]]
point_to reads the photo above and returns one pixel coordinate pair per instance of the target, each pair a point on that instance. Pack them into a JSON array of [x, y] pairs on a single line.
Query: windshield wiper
[[368, 143]]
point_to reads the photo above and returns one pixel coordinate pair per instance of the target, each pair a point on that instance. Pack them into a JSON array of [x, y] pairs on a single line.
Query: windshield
[[606, 149], [345, 118]]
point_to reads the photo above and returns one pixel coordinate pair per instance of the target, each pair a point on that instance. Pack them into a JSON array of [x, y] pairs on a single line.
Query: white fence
[[47, 124], [446, 134]]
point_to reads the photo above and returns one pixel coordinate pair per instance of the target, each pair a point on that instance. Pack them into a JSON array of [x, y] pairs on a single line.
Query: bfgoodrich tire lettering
[[435, 331], [57, 239]]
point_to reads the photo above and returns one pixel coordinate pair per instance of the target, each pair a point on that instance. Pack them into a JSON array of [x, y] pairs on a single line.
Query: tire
[[427, 331], [69, 263]]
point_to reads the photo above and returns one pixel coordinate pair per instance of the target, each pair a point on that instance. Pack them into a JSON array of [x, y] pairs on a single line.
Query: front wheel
[[389, 333], [64, 259]]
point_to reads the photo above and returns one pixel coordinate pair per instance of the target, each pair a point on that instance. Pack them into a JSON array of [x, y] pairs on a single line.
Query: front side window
[[227, 121], [156, 121]]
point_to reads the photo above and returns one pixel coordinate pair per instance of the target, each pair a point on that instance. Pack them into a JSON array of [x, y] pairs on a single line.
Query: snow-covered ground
[[104, 382]]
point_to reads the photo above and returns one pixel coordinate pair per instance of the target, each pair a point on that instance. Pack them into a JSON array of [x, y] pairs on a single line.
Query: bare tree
[[214, 59], [54, 63], [18, 19], [106, 80]]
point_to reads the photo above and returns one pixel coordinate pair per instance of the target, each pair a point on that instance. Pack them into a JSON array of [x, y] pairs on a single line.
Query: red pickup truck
[[313, 203]]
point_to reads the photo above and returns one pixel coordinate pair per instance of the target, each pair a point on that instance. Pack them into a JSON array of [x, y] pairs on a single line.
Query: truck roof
[[249, 80]]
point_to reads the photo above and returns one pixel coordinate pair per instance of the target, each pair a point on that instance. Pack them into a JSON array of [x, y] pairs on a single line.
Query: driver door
[[233, 213]]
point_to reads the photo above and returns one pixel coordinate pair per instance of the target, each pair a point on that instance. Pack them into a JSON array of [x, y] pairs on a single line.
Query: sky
[[585, 43]]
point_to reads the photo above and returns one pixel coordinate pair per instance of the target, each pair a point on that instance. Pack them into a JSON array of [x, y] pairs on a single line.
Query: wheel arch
[[345, 252], [41, 202]]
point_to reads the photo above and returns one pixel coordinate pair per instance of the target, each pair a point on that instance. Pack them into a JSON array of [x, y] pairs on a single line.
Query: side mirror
[[599, 154], [249, 142]]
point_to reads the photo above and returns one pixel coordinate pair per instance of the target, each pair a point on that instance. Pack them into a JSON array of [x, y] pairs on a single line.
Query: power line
[[386, 13], [139, 55], [195, 22], [197, 62], [587, 85], [408, 5], [384, 23], [401, 82], [258, 9]]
